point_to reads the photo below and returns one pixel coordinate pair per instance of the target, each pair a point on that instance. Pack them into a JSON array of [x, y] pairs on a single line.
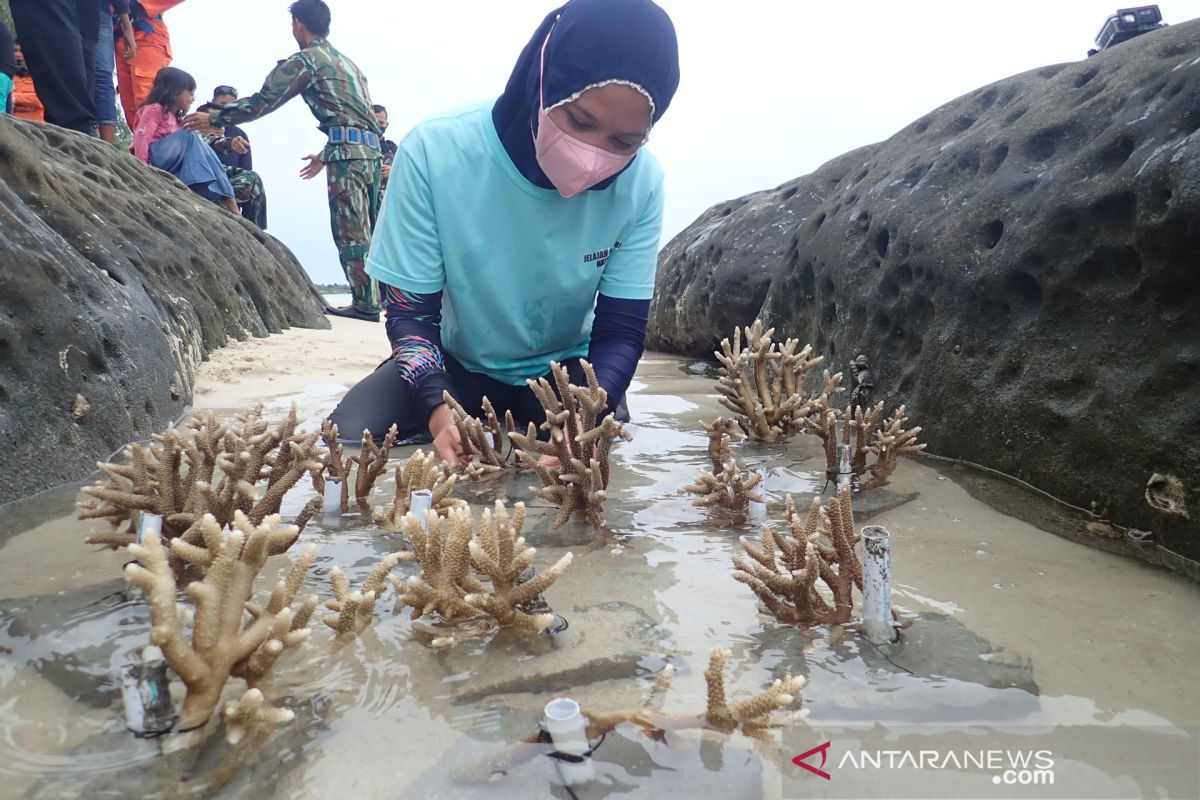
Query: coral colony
[[861, 429], [356, 610], [419, 472], [730, 490], [453, 556], [371, 461], [752, 715], [578, 438], [218, 487], [482, 440], [210, 468], [784, 568], [763, 383], [223, 644]]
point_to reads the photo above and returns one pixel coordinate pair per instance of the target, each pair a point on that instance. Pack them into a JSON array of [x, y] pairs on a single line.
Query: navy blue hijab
[[593, 41]]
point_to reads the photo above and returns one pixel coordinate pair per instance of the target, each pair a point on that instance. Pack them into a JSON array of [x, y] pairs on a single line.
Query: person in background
[[387, 149], [336, 93], [113, 15], [8, 68], [59, 37], [239, 167], [135, 76], [222, 96], [25, 101], [159, 140], [525, 231]]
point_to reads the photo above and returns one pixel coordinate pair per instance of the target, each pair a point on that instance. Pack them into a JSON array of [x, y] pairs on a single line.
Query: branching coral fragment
[[222, 644], [450, 554], [722, 432], [356, 609], [783, 569], [442, 549], [211, 467], [371, 462], [580, 441], [861, 430], [763, 382], [752, 715], [753, 712], [499, 551], [421, 471], [250, 714], [731, 490], [888, 445], [482, 440]]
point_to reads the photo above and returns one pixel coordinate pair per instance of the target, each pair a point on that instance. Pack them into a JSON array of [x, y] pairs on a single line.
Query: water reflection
[[392, 716]]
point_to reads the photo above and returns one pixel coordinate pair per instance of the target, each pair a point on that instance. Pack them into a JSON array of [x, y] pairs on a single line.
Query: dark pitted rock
[[1020, 265], [115, 281]]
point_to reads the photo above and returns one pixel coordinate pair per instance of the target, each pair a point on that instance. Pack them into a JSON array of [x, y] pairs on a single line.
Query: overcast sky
[[770, 89]]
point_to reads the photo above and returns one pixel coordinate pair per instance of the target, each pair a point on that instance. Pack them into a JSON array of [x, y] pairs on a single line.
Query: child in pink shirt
[[159, 140]]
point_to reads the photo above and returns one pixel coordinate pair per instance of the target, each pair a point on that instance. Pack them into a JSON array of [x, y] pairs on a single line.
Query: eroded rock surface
[[115, 281], [1020, 265]]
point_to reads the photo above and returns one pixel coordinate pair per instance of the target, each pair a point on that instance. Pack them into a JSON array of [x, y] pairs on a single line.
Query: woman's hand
[[446, 442], [240, 145], [313, 169]]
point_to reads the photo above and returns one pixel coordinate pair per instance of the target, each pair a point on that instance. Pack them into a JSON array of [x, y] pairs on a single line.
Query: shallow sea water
[[1010, 625]]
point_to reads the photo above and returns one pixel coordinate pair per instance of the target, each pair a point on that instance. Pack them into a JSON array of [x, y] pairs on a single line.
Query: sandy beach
[[308, 366]]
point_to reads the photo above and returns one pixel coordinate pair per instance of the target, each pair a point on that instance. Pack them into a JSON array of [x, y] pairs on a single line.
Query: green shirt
[[331, 84]]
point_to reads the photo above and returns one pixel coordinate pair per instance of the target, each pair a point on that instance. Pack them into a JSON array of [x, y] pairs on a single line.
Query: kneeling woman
[[526, 230], [159, 140]]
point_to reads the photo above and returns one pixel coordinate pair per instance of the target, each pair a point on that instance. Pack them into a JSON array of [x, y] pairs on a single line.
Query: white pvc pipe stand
[[844, 470], [758, 511], [877, 585], [568, 730], [149, 523], [331, 507], [419, 502]]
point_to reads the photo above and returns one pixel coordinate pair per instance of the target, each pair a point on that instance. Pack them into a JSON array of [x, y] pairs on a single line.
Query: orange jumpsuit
[[135, 78], [26, 103]]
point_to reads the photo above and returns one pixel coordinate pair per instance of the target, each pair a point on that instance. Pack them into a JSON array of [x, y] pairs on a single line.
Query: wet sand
[[299, 362]]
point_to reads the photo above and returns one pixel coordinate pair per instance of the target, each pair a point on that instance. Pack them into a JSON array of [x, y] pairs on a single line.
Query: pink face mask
[[571, 165]]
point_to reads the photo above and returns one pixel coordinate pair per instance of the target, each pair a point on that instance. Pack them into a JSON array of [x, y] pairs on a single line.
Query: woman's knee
[[374, 404]]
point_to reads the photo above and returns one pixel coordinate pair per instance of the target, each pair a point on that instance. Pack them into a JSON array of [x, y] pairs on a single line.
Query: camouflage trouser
[[248, 192], [353, 207]]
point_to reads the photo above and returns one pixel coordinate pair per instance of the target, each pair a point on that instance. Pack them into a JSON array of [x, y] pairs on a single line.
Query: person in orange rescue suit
[[135, 76], [26, 103]]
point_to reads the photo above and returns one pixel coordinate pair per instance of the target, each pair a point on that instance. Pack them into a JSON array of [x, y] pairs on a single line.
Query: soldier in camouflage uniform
[[386, 146], [336, 93], [247, 184]]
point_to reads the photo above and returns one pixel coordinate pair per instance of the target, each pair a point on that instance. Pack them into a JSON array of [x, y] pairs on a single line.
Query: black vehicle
[[1126, 24]]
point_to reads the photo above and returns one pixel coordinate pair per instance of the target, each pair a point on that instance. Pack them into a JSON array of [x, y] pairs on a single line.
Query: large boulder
[[115, 281], [1020, 265]]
